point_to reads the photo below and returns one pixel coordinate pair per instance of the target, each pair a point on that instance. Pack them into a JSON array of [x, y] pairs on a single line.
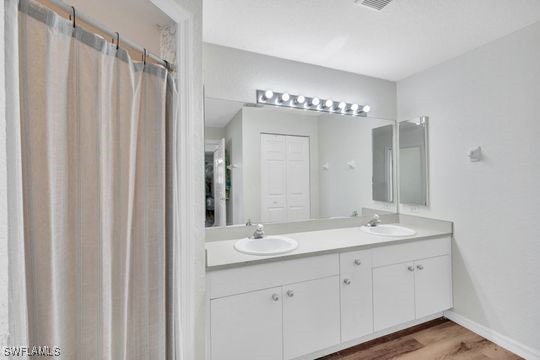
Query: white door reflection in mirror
[[285, 185], [220, 206]]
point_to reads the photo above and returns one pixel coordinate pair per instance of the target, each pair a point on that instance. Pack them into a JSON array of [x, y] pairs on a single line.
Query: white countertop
[[222, 254]]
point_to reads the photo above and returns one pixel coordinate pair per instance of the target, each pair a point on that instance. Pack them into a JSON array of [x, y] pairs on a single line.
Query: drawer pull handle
[[290, 293], [420, 267], [347, 281], [410, 268], [357, 262], [275, 297]]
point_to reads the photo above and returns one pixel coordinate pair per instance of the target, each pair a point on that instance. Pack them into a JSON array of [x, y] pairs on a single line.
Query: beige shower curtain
[[93, 168]]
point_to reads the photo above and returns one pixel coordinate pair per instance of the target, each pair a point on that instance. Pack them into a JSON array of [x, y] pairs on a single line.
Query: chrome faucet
[[374, 221], [259, 233]]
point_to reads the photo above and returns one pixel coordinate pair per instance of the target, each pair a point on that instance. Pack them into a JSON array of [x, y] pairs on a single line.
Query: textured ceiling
[[407, 36]]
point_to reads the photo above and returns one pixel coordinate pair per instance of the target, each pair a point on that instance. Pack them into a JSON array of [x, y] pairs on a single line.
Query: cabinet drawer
[[261, 276], [395, 254], [354, 261]]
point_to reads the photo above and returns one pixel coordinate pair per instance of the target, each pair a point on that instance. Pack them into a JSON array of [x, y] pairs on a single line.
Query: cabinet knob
[[420, 267], [290, 293], [410, 268], [347, 281], [357, 262], [275, 297]]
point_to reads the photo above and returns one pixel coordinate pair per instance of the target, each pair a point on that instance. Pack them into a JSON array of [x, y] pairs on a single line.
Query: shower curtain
[[91, 267]]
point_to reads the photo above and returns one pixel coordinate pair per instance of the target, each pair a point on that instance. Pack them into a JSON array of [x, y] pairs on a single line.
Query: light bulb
[[268, 94], [354, 107], [341, 106], [285, 97], [366, 108], [328, 104], [315, 101], [300, 99]]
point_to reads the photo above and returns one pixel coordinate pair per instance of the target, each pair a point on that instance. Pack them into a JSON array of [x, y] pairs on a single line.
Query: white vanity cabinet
[[356, 295], [276, 310], [310, 316], [433, 285], [393, 295], [411, 281], [247, 326], [306, 307]]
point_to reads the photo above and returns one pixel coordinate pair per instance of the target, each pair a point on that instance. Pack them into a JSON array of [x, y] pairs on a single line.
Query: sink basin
[[389, 230], [268, 245]]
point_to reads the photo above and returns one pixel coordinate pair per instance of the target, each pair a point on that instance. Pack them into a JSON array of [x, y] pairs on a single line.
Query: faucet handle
[[376, 217]]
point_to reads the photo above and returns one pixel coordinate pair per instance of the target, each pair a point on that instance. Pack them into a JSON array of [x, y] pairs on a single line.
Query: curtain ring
[[167, 66], [117, 40], [73, 16]]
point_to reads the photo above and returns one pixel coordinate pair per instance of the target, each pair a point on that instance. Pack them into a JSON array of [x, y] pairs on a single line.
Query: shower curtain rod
[[114, 35]]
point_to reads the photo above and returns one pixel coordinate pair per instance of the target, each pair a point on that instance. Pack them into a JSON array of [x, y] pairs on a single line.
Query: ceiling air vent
[[373, 4]]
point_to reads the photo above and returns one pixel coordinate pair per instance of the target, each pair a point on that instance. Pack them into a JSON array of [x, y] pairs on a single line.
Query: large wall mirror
[[413, 162], [270, 164]]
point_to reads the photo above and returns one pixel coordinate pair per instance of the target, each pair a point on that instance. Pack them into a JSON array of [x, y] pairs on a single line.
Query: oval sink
[[389, 230], [268, 245]]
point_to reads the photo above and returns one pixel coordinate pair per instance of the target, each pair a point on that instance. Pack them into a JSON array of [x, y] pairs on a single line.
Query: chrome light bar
[[283, 99]]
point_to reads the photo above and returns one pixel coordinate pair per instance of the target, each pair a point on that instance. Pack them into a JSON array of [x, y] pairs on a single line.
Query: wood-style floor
[[438, 339]]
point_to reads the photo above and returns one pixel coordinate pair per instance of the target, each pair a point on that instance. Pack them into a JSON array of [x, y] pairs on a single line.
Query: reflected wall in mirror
[[382, 139], [413, 161], [283, 165]]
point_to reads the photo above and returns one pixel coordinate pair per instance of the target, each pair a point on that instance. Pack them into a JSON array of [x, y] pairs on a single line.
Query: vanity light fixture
[[266, 95], [328, 104], [284, 99]]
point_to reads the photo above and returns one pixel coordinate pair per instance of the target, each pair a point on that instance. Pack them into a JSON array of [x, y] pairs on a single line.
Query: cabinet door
[[273, 178], [356, 295], [393, 295], [433, 282], [310, 316], [298, 184], [247, 326]]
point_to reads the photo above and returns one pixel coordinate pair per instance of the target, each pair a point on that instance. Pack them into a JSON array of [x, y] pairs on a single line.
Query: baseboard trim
[[493, 336]]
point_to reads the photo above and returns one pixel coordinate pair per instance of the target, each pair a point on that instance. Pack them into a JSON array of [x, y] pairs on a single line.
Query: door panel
[[433, 282], [273, 178], [298, 184], [356, 295], [311, 316], [393, 295], [247, 326]]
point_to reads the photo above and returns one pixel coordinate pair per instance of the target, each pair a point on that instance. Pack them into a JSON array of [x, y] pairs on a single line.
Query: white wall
[[235, 75], [214, 133], [274, 121], [488, 97], [342, 189]]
